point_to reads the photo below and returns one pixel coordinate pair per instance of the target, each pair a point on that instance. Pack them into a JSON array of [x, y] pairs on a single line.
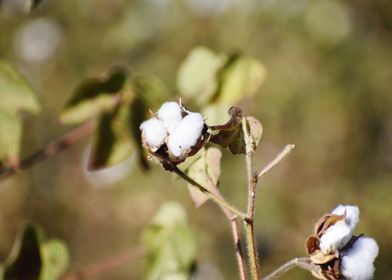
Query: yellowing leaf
[[10, 136], [55, 258], [241, 77], [197, 75], [95, 96], [15, 91]]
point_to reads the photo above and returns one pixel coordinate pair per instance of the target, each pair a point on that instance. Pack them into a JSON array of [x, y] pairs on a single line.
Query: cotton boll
[[357, 262], [186, 134], [171, 115], [352, 214], [335, 237], [154, 133]]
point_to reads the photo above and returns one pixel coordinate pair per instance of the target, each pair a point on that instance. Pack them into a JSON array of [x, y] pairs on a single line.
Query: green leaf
[[231, 134], [112, 139], [151, 90], [25, 260], [240, 77], [170, 244], [206, 171], [96, 96], [10, 136], [55, 259], [197, 75], [15, 92]]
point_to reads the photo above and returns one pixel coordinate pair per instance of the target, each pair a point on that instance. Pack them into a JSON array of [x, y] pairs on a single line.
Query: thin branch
[[249, 222], [217, 199], [287, 149], [53, 148], [238, 250], [105, 265], [303, 263]]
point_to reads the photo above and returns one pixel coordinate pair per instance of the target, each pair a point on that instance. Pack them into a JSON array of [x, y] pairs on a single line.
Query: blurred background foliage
[[327, 90]]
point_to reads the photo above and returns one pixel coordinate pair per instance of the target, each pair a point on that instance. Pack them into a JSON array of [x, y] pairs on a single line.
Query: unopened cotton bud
[[186, 135], [335, 237], [170, 114], [154, 133], [351, 214], [357, 261]]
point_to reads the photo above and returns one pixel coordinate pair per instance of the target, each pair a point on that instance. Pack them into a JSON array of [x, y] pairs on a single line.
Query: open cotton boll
[[186, 134], [357, 262], [170, 114], [335, 237], [154, 133], [352, 214]]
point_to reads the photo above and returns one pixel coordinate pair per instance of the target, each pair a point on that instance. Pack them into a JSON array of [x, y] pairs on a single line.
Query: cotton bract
[[357, 262]]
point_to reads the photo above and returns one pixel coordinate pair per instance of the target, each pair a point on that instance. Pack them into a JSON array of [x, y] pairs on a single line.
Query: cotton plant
[[336, 252]]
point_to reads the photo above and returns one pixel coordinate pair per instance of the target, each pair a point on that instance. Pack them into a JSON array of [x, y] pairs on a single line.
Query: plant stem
[[303, 263], [249, 221], [106, 265], [217, 199], [238, 250], [286, 150], [53, 148]]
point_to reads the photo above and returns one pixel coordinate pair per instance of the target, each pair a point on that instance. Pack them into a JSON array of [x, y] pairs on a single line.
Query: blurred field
[[327, 91]]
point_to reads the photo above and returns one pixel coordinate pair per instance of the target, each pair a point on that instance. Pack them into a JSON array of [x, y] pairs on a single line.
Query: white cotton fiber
[[186, 134], [352, 214], [335, 237], [154, 133], [171, 115], [357, 262]]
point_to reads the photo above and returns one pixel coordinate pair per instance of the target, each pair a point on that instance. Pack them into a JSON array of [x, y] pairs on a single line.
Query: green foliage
[[216, 81], [34, 258], [94, 97], [170, 244], [16, 95], [204, 168]]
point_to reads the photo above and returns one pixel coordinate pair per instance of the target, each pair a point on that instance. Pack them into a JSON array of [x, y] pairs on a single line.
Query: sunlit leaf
[[112, 139], [170, 244], [96, 96], [15, 92], [10, 136], [55, 259], [205, 170], [25, 260], [240, 77], [197, 74]]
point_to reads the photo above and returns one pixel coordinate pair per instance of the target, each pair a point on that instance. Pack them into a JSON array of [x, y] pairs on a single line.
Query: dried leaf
[[205, 170], [325, 222], [312, 244]]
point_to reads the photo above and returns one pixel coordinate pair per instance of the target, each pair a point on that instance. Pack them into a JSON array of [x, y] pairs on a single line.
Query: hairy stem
[[303, 263], [216, 198], [249, 221], [53, 148], [105, 265]]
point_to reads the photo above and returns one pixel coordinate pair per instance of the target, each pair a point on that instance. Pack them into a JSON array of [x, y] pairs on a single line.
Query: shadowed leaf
[[25, 261], [112, 140], [15, 92], [95, 96], [170, 244]]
